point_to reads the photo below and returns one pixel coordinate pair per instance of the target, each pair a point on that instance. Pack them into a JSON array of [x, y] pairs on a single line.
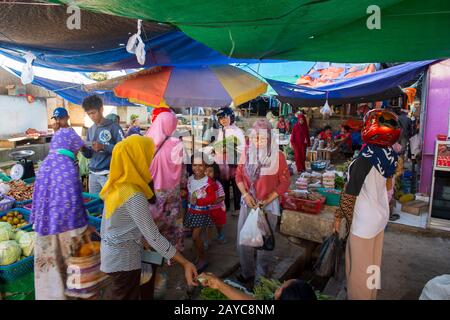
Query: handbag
[[269, 239]]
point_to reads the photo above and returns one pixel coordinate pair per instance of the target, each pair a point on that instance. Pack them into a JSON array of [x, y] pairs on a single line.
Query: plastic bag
[[27, 70], [136, 46], [437, 288], [146, 273], [266, 231], [251, 235], [326, 109], [331, 254]]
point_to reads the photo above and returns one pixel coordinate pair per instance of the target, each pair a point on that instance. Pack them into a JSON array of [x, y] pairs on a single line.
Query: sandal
[[394, 217]]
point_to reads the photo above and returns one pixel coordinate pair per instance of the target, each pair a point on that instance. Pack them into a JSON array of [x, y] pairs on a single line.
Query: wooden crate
[[310, 226], [416, 207]]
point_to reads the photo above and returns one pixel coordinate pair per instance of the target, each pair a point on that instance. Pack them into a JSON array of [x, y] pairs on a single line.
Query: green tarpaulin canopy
[[309, 30]]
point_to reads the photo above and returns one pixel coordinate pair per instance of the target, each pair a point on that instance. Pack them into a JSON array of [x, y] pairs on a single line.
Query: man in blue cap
[[61, 117]]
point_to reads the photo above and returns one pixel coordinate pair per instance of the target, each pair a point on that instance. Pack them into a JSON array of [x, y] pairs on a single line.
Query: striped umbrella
[[207, 86]]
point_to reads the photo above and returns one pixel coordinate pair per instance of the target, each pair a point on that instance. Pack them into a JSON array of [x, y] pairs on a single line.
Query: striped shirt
[[121, 234]]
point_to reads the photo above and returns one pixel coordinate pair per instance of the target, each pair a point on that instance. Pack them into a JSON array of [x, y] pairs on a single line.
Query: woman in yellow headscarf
[[127, 218]]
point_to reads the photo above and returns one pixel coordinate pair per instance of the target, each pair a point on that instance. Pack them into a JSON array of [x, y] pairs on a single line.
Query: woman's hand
[[190, 273], [268, 200], [209, 280], [250, 201]]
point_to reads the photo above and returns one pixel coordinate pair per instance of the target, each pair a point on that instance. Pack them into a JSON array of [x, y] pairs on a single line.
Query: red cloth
[[265, 185], [300, 142], [348, 139], [325, 136], [219, 216], [158, 111], [283, 125]]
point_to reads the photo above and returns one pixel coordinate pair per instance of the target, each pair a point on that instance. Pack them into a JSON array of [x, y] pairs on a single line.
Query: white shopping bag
[[250, 234]]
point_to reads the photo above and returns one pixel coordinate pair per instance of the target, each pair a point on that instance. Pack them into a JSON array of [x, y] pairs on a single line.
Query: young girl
[[201, 195], [218, 210]]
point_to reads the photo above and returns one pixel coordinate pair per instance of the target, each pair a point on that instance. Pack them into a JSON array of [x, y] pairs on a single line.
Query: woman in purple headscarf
[[58, 214]]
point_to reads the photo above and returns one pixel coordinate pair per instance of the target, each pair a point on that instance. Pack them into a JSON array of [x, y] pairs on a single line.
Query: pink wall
[[437, 109]]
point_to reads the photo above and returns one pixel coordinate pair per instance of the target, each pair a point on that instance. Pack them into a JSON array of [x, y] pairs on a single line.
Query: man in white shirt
[[227, 158], [365, 205]]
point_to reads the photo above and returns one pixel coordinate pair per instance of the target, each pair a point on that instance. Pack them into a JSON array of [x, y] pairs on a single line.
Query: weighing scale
[[24, 168]]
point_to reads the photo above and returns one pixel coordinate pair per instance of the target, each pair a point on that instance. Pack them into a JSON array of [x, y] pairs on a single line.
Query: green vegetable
[[321, 296], [26, 243], [265, 289], [339, 182], [212, 294], [6, 231], [18, 234], [9, 252]]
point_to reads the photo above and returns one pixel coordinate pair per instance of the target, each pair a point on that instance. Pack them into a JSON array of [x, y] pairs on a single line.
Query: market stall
[[308, 207]]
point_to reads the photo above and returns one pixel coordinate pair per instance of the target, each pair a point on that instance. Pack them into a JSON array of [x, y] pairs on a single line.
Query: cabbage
[[9, 252], [26, 243], [19, 234], [6, 231]]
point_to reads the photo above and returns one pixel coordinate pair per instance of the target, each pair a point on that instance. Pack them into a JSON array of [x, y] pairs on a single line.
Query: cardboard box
[[416, 207]]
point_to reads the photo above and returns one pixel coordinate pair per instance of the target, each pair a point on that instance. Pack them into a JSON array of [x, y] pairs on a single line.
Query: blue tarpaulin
[[170, 49], [74, 92], [380, 85]]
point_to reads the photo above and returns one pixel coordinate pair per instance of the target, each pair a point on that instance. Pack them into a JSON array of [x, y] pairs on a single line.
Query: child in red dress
[[218, 209], [202, 194]]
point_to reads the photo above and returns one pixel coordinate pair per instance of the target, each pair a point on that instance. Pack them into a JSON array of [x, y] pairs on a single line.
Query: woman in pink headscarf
[[300, 141], [166, 170]]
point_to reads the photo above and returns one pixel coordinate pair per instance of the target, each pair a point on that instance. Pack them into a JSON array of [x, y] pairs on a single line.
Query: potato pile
[[15, 218]]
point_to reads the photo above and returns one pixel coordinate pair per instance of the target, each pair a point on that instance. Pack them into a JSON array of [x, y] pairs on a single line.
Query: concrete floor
[[224, 261], [410, 259]]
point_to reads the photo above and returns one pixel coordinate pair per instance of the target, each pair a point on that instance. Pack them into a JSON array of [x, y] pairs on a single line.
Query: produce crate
[[21, 288], [26, 215], [92, 205], [17, 269], [21, 204], [333, 198], [29, 180], [302, 205], [91, 200]]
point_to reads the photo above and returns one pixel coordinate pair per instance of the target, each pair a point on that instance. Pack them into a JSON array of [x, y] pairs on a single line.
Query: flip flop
[[394, 217]]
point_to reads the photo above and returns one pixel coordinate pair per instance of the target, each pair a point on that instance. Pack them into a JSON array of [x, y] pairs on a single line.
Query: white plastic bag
[[136, 46], [326, 109], [250, 234], [27, 75], [437, 288]]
